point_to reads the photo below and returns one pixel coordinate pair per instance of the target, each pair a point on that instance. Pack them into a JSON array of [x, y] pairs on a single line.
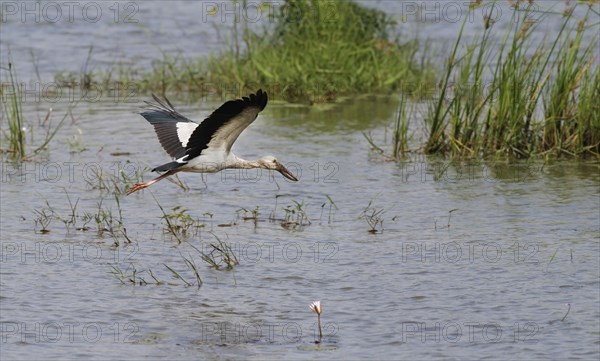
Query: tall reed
[[400, 135], [569, 110], [13, 112], [12, 98], [519, 99]]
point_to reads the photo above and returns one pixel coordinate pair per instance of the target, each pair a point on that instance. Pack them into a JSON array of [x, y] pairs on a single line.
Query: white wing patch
[[184, 132]]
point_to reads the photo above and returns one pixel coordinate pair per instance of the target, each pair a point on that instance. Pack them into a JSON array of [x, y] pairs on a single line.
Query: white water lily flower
[[316, 307]]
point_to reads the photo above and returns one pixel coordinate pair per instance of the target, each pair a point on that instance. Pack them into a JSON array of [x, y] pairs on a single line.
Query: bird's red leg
[[143, 185]]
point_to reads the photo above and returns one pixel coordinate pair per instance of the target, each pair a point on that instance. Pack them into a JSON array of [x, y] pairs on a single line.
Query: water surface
[[473, 259]]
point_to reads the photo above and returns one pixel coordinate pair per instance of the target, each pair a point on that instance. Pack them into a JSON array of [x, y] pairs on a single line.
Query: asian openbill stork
[[206, 147]]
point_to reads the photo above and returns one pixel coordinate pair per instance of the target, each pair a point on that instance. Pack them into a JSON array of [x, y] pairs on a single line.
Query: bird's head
[[270, 162]]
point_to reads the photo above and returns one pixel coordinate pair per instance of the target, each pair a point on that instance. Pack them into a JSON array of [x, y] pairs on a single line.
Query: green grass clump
[[221, 255], [310, 51], [12, 111], [571, 110], [323, 48], [537, 99], [12, 97]]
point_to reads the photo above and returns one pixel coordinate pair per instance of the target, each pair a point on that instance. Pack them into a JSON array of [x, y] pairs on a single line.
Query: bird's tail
[[168, 166]]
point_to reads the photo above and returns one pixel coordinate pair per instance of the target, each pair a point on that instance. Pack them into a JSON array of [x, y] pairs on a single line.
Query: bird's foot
[[137, 187]]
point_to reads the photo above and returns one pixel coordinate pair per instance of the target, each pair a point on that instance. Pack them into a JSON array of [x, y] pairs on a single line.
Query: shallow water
[[488, 280]]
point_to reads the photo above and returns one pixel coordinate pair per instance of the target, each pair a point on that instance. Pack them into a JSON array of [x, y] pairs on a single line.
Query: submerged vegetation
[[221, 255], [106, 222], [373, 217]]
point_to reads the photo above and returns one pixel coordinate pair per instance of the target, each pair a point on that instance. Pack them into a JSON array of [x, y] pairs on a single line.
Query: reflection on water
[[351, 115]]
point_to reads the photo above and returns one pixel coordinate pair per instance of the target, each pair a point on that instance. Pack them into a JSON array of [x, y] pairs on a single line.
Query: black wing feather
[[164, 118], [168, 166], [204, 133]]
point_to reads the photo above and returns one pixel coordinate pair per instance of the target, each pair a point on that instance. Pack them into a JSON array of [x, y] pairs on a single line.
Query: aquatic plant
[[295, 216], [399, 134], [331, 206], [537, 99], [191, 265], [311, 51], [42, 219], [177, 275], [450, 216], [221, 255], [180, 224], [568, 310], [103, 217], [132, 276], [318, 50], [316, 308], [75, 143], [12, 97], [373, 217], [249, 215], [116, 182], [13, 111]]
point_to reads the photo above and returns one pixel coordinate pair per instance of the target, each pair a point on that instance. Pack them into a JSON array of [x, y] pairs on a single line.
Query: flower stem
[[320, 330]]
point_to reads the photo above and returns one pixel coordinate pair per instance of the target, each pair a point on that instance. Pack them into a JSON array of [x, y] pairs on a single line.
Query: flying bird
[[206, 147]]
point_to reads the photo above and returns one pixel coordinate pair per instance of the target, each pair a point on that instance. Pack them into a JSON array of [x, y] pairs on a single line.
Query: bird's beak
[[286, 173]]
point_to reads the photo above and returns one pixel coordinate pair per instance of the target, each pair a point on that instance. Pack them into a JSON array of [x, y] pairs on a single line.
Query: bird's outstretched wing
[[184, 139], [173, 129], [221, 129]]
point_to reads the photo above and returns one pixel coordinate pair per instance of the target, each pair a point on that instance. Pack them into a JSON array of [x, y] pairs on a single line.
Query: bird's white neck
[[236, 162]]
